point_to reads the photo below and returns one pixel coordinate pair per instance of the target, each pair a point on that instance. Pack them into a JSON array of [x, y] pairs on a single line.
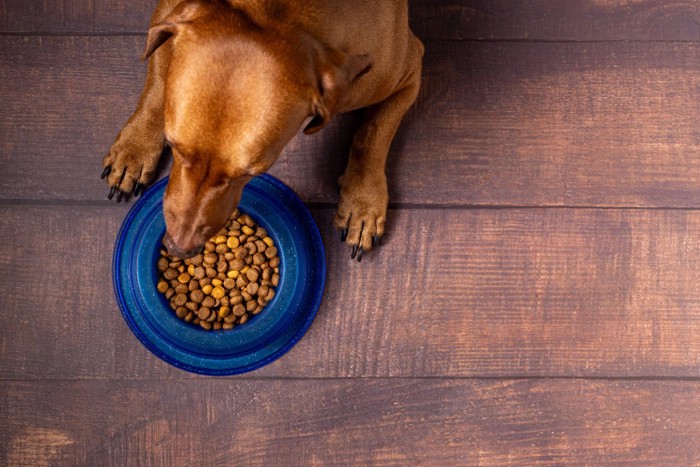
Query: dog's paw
[[361, 213], [131, 163]]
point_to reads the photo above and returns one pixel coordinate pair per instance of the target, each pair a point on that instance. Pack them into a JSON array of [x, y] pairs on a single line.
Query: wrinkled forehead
[[211, 76]]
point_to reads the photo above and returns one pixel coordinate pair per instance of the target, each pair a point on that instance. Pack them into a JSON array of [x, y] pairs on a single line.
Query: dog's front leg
[[133, 158], [364, 197]]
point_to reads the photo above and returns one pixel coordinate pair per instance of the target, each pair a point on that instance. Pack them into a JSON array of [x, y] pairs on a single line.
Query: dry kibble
[[162, 264], [209, 302], [218, 292], [203, 313], [252, 288], [197, 295], [252, 274], [170, 274], [197, 260], [180, 299], [232, 280]]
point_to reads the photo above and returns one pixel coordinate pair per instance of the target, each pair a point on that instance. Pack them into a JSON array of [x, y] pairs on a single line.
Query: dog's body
[[229, 83]]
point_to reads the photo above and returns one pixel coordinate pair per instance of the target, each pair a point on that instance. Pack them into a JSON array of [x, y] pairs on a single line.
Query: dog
[[230, 82]]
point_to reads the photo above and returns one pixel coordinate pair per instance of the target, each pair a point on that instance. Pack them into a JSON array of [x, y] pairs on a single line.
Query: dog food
[[233, 279]]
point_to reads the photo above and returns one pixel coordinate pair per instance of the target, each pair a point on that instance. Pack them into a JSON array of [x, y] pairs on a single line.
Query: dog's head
[[236, 92]]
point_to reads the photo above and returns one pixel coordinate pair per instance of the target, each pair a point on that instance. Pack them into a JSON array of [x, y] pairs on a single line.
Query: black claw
[[106, 171], [137, 187], [354, 252], [343, 235], [111, 192], [360, 253], [375, 240], [119, 196]]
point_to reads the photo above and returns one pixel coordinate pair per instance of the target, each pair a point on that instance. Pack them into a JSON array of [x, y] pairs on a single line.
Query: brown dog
[[229, 83]]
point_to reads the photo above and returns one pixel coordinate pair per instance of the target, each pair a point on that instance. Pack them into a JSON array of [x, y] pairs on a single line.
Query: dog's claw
[[111, 193], [343, 235], [354, 252], [375, 241], [137, 187], [119, 196], [360, 252], [106, 171]]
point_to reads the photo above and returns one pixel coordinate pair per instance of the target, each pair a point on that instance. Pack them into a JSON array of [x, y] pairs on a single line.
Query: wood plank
[[355, 422], [575, 20], [599, 124], [485, 292]]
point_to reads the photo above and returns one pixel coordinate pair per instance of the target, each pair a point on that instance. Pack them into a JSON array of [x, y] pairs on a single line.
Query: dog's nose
[[175, 250]]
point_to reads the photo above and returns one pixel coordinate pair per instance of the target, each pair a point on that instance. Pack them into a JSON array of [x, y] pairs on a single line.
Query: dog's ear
[[339, 72], [183, 13]]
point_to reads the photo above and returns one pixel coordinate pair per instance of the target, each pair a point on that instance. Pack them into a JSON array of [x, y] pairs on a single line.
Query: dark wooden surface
[[535, 300]]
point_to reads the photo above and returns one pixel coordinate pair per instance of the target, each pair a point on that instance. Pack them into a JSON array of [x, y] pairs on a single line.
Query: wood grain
[[497, 293], [573, 20], [350, 422], [514, 124]]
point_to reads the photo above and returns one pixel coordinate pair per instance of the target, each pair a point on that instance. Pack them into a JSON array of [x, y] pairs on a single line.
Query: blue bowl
[[265, 337]]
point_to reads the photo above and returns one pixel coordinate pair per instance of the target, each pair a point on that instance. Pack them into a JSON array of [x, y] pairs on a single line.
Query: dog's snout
[[175, 250]]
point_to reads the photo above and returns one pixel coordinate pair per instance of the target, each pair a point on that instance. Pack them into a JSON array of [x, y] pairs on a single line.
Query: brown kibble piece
[[199, 273], [181, 312], [252, 288], [170, 274], [252, 275], [180, 299], [197, 296], [203, 313], [162, 286], [209, 302], [271, 252], [162, 264]]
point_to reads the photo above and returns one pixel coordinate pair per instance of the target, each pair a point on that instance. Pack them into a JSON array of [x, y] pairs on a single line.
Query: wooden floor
[[536, 300]]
